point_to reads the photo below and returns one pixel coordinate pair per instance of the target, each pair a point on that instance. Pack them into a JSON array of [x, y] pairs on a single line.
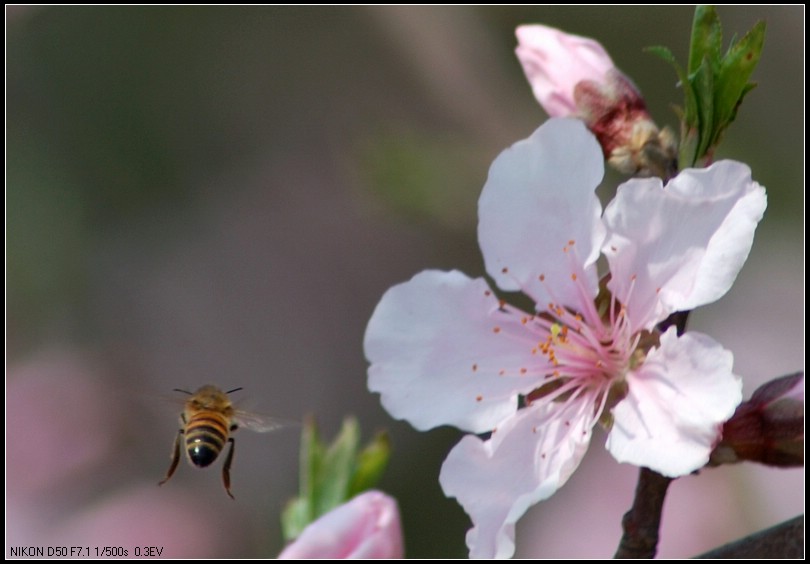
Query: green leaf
[[707, 38], [311, 457], [714, 84], [371, 463], [690, 109], [703, 86], [337, 468], [662, 52], [736, 68], [687, 151], [295, 517], [301, 511], [748, 88]]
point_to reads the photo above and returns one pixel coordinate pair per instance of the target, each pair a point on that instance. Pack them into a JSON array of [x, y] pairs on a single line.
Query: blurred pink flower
[[573, 76], [367, 526], [70, 484], [58, 421], [445, 350], [142, 516]]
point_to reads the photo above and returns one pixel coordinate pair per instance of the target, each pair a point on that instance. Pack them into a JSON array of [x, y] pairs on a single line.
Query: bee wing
[[158, 403], [260, 422]]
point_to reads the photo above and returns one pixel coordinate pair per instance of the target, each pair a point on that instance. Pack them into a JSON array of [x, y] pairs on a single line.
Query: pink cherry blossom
[[444, 349], [368, 526]]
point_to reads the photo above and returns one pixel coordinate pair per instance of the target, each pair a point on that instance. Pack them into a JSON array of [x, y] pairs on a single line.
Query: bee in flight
[[207, 421]]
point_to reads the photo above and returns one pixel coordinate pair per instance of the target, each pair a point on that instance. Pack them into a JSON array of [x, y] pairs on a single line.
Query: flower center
[[589, 352]]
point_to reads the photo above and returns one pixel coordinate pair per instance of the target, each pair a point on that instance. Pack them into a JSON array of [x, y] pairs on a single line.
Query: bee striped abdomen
[[206, 424], [206, 434]]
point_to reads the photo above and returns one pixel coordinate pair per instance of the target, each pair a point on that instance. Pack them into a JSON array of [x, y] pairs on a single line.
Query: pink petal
[[677, 402], [682, 246], [554, 62], [528, 458], [368, 526], [538, 199], [442, 351]]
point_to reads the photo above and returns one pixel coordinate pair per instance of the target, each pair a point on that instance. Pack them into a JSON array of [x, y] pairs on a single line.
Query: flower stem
[[641, 523]]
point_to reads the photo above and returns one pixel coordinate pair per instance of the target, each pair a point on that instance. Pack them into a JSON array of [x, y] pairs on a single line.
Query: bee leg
[[226, 469], [175, 458]]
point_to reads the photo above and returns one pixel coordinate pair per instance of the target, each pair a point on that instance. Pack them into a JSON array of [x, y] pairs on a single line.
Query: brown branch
[[776, 420], [641, 523], [785, 540]]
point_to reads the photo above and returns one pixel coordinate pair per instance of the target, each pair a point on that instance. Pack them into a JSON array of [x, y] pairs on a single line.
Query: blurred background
[[221, 195]]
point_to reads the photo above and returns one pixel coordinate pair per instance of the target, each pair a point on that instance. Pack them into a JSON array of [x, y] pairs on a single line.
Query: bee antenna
[[234, 390], [179, 390]]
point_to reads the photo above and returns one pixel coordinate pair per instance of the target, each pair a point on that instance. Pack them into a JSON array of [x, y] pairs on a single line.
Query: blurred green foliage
[[332, 474], [425, 177]]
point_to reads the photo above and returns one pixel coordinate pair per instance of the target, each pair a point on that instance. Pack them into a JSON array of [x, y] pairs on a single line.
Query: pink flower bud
[[573, 76], [367, 526], [555, 62], [768, 428]]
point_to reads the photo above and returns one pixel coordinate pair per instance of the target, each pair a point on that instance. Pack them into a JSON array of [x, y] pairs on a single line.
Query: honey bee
[[207, 421]]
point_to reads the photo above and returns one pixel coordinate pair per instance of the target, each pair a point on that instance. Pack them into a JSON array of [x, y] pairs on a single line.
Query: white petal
[[442, 351], [677, 402], [528, 458], [683, 244], [540, 196]]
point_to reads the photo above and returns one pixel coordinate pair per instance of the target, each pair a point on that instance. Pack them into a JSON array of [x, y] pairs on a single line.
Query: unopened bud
[[573, 76], [768, 428]]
